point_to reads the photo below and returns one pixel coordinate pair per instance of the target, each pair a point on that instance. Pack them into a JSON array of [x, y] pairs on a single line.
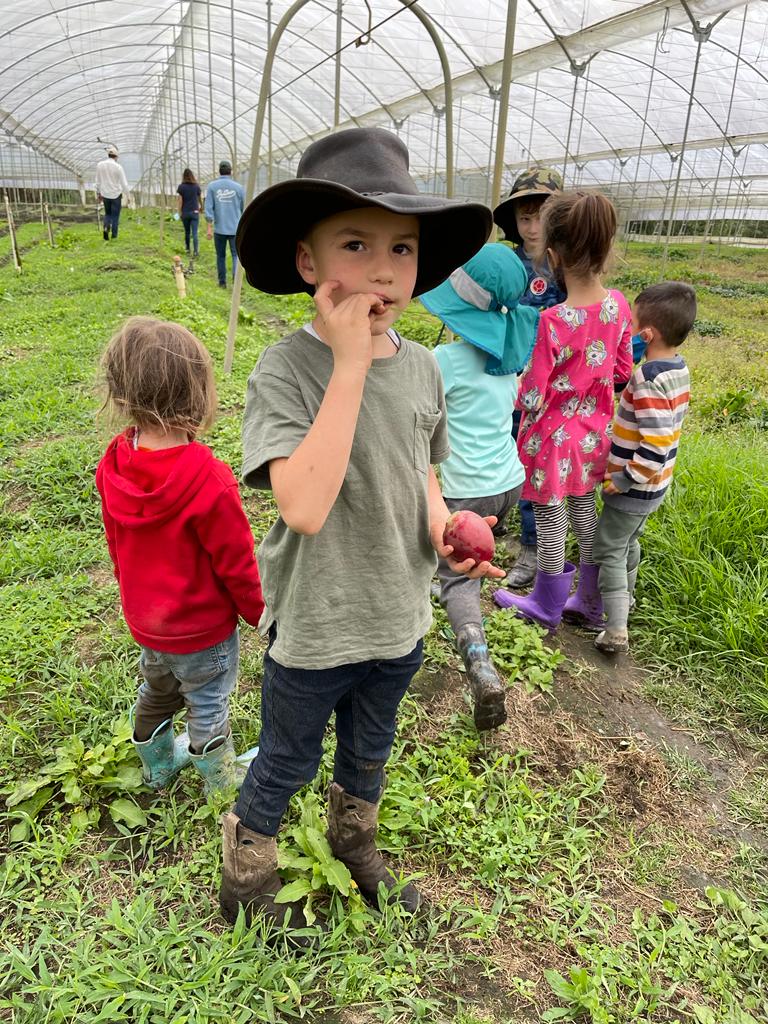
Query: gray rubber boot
[[249, 879], [219, 766], [614, 639], [485, 683], [352, 836], [523, 572], [631, 584]]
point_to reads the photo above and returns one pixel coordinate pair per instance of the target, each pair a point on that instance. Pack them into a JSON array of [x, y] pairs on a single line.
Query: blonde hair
[[157, 374]]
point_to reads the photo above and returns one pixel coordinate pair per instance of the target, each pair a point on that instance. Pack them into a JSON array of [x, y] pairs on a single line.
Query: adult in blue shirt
[[224, 202]]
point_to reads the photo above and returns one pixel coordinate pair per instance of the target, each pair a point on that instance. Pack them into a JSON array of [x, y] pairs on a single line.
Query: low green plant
[[81, 778], [517, 650], [708, 328]]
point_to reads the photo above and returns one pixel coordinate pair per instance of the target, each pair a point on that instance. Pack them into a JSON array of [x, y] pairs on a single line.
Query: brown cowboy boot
[[249, 879], [352, 836]]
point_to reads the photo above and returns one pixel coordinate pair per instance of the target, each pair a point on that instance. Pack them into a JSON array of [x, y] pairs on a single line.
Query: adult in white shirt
[[110, 185]]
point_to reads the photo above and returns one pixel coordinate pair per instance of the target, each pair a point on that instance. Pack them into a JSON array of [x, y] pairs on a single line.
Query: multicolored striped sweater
[[646, 432]]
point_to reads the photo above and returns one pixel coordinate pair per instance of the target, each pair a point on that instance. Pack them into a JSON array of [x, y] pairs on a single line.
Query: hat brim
[[451, 230], [504, 213], [485, 329]]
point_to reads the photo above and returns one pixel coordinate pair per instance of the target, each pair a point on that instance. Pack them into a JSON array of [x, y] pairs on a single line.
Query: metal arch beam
[[248, 67], [634, 24], [178, 128], [264, 92], [29, 138]]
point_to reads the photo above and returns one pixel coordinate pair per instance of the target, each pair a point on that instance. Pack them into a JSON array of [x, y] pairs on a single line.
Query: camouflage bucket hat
[[536, 181]]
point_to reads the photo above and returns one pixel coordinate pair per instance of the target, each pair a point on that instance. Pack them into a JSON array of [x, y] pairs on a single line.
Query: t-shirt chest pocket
[[423, 428]]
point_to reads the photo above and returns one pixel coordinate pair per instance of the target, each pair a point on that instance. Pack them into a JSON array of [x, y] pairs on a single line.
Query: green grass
[[538, 881]]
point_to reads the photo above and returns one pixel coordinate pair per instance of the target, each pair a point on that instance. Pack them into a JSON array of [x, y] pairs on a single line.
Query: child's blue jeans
[[201, 682], [296, 706], [527, 520]]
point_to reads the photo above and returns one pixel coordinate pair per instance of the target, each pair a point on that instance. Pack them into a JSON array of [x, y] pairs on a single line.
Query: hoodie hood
[[146, 488]]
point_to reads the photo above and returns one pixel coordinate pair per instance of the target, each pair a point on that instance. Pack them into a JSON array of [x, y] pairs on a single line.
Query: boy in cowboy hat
[[480, 303], [343, 421], [519, 218]]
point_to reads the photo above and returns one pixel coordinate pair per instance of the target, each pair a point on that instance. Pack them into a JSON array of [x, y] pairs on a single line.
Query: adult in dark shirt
[[189, 206]]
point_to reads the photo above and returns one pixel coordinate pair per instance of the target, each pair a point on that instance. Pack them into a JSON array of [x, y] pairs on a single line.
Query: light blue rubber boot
[[219, 766], [163, 755]]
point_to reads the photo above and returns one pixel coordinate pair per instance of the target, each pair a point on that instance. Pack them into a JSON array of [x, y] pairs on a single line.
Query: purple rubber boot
[[585, 607], [545, 602]]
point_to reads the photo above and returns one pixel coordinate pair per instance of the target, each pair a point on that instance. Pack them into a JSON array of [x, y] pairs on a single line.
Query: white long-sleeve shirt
[[110, 179]]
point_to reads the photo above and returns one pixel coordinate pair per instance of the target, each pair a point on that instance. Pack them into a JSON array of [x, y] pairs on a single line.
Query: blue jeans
[[296, 706], [191, 222], [221, 242], [201, 682], [528, 531], [112, 214]]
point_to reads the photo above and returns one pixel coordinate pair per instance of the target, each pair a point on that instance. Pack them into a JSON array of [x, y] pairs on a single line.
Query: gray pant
[[459, 595], [616, 548]]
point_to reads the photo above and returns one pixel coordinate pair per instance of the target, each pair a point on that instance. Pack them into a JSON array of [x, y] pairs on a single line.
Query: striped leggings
[[552, 529]]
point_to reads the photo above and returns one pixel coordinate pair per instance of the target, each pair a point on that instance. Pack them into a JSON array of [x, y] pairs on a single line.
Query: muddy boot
[[485, 684], [219, 766], [585, 607], [523, 572], [163, 755], [545, 602], [352, 837], [631, 584], [249, 879], [614, 639]]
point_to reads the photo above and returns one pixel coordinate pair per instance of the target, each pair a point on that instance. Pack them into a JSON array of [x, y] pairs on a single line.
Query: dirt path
[[606, 696]]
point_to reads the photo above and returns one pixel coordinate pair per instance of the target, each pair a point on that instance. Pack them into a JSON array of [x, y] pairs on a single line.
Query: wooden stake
[[12, 233], [178, 273], [48, 224]]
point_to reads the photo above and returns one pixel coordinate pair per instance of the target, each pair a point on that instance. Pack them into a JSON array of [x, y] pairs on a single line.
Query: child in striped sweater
[[646, 432]]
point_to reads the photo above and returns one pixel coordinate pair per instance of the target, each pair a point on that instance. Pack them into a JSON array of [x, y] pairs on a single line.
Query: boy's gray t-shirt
[[359, 589]]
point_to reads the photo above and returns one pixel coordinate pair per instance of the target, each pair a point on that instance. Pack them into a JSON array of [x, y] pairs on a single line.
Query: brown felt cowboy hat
[[347, 171]]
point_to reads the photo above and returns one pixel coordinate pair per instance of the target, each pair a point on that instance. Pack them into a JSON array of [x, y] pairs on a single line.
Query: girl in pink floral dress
[[583, 347]]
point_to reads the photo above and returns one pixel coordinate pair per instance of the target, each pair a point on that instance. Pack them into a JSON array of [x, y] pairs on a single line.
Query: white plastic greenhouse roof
[[604, 88]]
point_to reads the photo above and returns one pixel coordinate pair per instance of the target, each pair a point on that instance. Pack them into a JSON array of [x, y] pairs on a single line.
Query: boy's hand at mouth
[[346, 327]]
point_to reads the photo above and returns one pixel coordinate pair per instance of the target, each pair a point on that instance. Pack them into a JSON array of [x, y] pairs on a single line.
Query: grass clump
[[704, 605]]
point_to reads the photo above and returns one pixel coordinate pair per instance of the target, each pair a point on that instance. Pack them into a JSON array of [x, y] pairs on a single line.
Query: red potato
[[470, 536]]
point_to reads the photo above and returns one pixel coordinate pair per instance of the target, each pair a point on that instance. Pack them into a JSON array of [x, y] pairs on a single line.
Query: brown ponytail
[[579, 227]]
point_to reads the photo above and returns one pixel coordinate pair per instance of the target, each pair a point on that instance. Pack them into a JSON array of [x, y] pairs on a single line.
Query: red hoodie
[[181, 545]]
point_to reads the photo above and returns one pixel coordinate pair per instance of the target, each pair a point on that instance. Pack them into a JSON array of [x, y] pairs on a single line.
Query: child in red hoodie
[[182, 550]]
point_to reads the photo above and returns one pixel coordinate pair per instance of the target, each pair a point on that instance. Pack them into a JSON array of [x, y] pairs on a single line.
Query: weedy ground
[[603, 857]]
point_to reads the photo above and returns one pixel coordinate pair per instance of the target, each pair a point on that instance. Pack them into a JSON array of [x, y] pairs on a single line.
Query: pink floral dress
[[566, 394]]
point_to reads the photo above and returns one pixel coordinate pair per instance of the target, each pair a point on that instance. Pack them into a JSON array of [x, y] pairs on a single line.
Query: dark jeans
[[528, 532], [296, 706], [221, 241], [112, 214], [190, 222]]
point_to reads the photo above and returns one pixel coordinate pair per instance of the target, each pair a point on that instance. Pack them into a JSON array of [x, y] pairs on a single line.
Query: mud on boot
[[219, 766], [585, 606], [523, 572], [352, 837], [163, 755], [249, 879], [612, 641], [485, 683]]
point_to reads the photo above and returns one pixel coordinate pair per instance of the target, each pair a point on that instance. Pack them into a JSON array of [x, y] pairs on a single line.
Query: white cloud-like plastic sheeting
[[76, 76]]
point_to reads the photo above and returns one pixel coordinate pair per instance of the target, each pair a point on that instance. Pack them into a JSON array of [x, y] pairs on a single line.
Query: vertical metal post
[[506, 79], [337, 70], [210, 83], [232, 71], [700, 37], [264, 92], [270, 156]]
